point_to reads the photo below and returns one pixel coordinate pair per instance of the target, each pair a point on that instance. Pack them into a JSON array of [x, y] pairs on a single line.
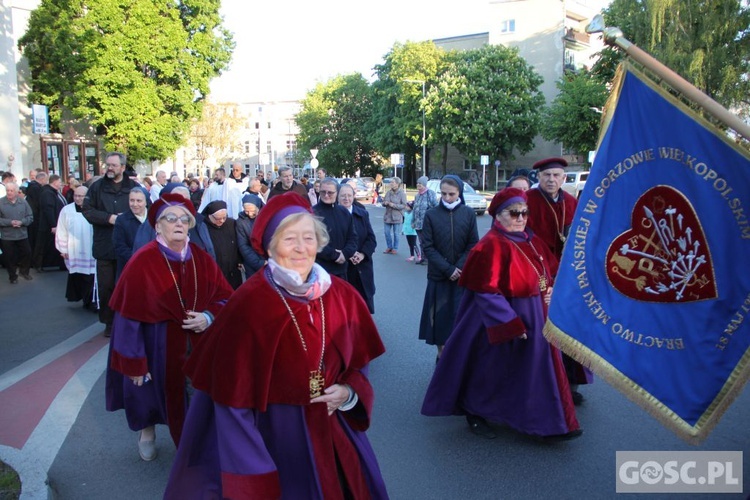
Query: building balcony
[[577, 37]]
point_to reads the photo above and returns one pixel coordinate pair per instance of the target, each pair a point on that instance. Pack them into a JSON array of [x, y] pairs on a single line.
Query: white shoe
[[146, 449]]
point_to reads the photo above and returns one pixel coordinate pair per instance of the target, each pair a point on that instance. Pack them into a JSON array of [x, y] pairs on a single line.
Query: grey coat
[[20, 210], [394, 214]]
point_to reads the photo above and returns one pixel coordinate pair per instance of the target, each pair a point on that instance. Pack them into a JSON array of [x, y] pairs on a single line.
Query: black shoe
[[26, 276], [107, 331], [555, 438], [578, 398], [479, 426], [14, 281]]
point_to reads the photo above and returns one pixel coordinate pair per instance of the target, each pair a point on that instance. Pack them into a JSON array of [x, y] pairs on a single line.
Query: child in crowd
[[411, 234]]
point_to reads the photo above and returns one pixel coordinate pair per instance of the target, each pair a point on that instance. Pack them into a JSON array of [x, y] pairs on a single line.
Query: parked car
[[474, 200], [361, 190], [574, 182]]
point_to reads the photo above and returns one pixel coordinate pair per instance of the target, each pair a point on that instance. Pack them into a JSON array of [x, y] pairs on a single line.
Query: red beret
[[169, 200], [276, 210], [505, 198], [555, 162]]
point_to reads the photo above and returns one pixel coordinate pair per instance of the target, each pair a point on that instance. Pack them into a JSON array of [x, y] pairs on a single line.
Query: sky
[[285, 47]]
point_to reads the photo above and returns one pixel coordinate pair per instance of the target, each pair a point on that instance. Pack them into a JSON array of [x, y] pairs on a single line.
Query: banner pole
[[615, 37]]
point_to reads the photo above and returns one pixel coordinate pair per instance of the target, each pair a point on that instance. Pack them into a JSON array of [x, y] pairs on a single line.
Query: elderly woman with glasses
[[342, 236], [167, 296], [282, 405], [497, 366]]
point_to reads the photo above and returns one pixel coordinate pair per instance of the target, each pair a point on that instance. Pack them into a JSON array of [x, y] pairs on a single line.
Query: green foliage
[[707, 42], [136, 70], [487, 101], [396, 122], [570, 118], [332, 120]]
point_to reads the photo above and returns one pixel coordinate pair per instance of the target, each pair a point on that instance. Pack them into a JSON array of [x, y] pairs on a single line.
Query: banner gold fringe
[[693, 434]]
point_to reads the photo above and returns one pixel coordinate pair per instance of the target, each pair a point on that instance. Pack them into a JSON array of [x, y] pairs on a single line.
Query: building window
[[247, 147], [508, 26]]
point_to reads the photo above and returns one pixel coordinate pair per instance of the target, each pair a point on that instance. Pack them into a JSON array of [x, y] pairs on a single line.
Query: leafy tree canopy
[[487, 102], [396, 122], [707, 42], [332, 120], [137, 70], [573, 117]]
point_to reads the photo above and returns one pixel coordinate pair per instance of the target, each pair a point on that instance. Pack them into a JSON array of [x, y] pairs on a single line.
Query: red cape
[[254, 356], [146, 293], [542, 218], [494, 260]]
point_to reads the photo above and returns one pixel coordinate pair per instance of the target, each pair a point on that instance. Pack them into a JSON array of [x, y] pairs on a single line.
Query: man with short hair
[[238, 172], [106, 199], [50, 203], [15, 218], [73, 239], [287, 184], [334, 257], [158, 185], [223, 189], [321, 173], [33, 197], [551, 212]]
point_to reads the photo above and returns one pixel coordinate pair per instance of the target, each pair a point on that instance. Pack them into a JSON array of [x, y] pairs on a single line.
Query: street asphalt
[[86, 453]]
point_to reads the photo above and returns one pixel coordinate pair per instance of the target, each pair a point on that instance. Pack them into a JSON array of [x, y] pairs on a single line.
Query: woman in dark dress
[[223, 233], [251, 205], [449, 232], [127, 226], [360, 271]]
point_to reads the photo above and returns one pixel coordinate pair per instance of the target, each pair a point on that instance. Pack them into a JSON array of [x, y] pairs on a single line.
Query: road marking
[[80, 362]]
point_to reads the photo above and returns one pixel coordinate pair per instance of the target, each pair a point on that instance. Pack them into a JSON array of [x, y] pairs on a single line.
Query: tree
[[707, 42], [487, 102], [332, 120], [396, 123], [574, 115], [215, 134], [136, 70]]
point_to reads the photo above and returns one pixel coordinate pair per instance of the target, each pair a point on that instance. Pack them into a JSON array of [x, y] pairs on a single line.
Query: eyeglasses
[[327, 193], [516, 213], [172, 219], [113, 165], [218, 219]]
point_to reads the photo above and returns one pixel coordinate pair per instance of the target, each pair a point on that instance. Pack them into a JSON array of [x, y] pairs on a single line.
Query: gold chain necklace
[[317, 380], [559, 228], [542, 276], [179, 292]]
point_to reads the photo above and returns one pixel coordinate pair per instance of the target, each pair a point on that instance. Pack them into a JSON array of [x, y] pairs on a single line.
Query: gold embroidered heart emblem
[[664, 257]]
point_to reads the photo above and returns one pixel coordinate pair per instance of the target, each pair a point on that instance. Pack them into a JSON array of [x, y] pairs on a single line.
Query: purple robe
[[255, 443], [485, 368]]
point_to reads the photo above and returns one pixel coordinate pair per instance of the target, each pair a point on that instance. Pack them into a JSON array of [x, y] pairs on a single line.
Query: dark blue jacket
[[362, 275], [123, 237], [342, 235], [250, 258], [447, 238]]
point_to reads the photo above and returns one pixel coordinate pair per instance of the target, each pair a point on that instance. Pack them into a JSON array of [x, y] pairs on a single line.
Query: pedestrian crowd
[[180, 271]]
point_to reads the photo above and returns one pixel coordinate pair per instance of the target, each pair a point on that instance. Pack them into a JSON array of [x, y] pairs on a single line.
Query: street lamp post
[[424, 127]]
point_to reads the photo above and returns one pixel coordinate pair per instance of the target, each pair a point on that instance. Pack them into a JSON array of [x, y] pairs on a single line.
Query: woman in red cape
[[282, 397], [167, 295]]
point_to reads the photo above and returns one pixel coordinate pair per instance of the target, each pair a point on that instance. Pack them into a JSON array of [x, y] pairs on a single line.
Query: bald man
[[74, 240]]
